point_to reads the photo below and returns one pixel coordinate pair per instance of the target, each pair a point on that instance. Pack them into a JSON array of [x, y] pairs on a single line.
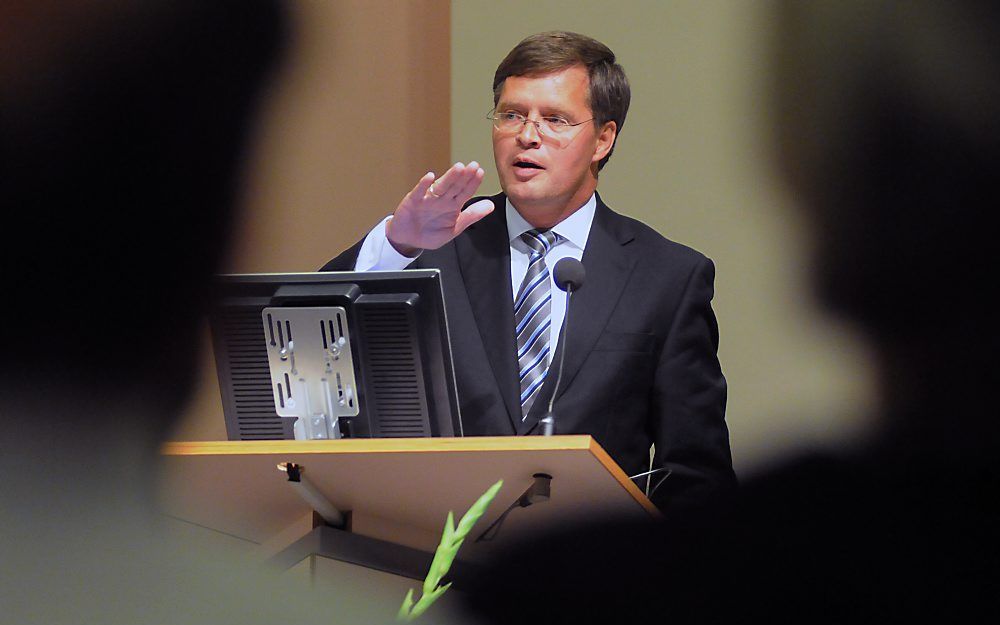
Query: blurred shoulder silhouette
[[885, 124], [123, 129]]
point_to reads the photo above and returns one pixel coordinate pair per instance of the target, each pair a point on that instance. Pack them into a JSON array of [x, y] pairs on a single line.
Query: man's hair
[[554, 51]]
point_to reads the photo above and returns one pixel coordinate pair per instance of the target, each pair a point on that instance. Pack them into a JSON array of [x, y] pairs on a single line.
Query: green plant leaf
[[427, 600], [477, 510], [444, 556], [440, 564], [406, 610]]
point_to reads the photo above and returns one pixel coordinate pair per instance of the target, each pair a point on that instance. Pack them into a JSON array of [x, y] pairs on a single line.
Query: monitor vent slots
[[251, 395], [393, 364]]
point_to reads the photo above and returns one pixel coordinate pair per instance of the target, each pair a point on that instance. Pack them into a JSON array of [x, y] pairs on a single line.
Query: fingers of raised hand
[[457, 183], [472, 214], [441, 188], [420, 190], [473, 178]]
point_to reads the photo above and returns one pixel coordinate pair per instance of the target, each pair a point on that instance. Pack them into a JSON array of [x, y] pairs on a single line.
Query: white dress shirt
[[377, 254]]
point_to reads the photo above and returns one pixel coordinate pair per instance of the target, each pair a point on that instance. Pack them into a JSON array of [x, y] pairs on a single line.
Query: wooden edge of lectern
[[397, 491], [414, 445]]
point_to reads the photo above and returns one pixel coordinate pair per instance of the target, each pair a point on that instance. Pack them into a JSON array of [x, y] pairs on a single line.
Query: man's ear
[[605, 140]]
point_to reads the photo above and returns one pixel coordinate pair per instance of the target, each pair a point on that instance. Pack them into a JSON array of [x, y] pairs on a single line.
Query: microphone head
[[569, 273]]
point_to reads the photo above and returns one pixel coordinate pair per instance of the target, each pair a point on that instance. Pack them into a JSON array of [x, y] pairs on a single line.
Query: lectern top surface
[[383, 445], [235, 486]]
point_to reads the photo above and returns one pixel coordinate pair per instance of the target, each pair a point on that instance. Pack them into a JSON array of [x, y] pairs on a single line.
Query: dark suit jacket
[[641, 364]]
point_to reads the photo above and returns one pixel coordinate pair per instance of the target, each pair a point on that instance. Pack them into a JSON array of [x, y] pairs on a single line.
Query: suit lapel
[[608, 266], [484, 261]]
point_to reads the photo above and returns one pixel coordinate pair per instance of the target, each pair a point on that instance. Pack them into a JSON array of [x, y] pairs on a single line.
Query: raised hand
[[431, 214]]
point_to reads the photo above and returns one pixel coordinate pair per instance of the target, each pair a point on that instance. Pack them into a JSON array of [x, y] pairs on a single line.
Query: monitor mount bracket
[[312, 369]]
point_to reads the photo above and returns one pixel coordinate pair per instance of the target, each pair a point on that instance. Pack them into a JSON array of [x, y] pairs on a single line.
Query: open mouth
[[527, 165]]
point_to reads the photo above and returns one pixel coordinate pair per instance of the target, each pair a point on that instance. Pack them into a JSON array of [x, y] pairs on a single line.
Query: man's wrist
[[405, 250]]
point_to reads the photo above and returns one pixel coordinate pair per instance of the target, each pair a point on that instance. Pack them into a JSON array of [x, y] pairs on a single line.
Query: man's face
[[545, 176]]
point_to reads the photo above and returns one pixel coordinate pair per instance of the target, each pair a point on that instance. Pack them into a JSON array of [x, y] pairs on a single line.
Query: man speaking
[[641, 365]]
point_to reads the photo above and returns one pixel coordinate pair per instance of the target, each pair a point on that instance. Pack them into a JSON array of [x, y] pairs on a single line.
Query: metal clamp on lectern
[[312, 495], [539, 491], [312, 368]]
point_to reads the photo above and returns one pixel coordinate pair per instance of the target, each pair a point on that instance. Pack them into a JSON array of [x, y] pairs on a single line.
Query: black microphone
[[568, 275]]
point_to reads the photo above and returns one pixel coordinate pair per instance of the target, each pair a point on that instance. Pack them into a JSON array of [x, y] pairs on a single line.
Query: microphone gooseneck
[[568, 275]]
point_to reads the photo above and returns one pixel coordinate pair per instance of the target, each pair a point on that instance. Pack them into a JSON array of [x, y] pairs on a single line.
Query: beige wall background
[[358, 114], [378, 92]]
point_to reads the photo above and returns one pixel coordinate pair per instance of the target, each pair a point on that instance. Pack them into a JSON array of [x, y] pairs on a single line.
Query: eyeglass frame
[[492, 115]]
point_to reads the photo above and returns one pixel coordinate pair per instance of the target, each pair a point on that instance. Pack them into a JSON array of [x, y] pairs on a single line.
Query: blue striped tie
[[533, 317]]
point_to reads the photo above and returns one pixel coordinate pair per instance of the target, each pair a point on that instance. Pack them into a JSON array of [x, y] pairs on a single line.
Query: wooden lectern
[[396, 493]]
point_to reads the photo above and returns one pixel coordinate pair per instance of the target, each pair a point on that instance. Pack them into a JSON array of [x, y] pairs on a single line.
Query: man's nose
[[528, 135]]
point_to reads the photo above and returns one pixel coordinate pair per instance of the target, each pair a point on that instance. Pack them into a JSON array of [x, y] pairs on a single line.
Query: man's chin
[[519, 198], [531, 205], [522, 192]]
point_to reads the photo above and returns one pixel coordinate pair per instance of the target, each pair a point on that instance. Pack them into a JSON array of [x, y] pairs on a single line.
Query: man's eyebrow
[[556, 111], [547, 111], [509, 105]]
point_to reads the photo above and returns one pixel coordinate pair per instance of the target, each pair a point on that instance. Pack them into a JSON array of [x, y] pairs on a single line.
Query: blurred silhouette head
[[886, 125], [122, 130]]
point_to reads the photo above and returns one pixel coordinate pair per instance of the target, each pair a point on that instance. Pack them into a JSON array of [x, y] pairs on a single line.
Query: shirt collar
[[575, 228]]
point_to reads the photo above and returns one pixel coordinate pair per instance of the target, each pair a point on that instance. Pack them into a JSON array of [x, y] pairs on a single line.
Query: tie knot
[[540, 241]]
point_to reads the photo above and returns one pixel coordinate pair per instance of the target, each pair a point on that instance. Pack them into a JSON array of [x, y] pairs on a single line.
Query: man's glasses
[[550, 126]]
